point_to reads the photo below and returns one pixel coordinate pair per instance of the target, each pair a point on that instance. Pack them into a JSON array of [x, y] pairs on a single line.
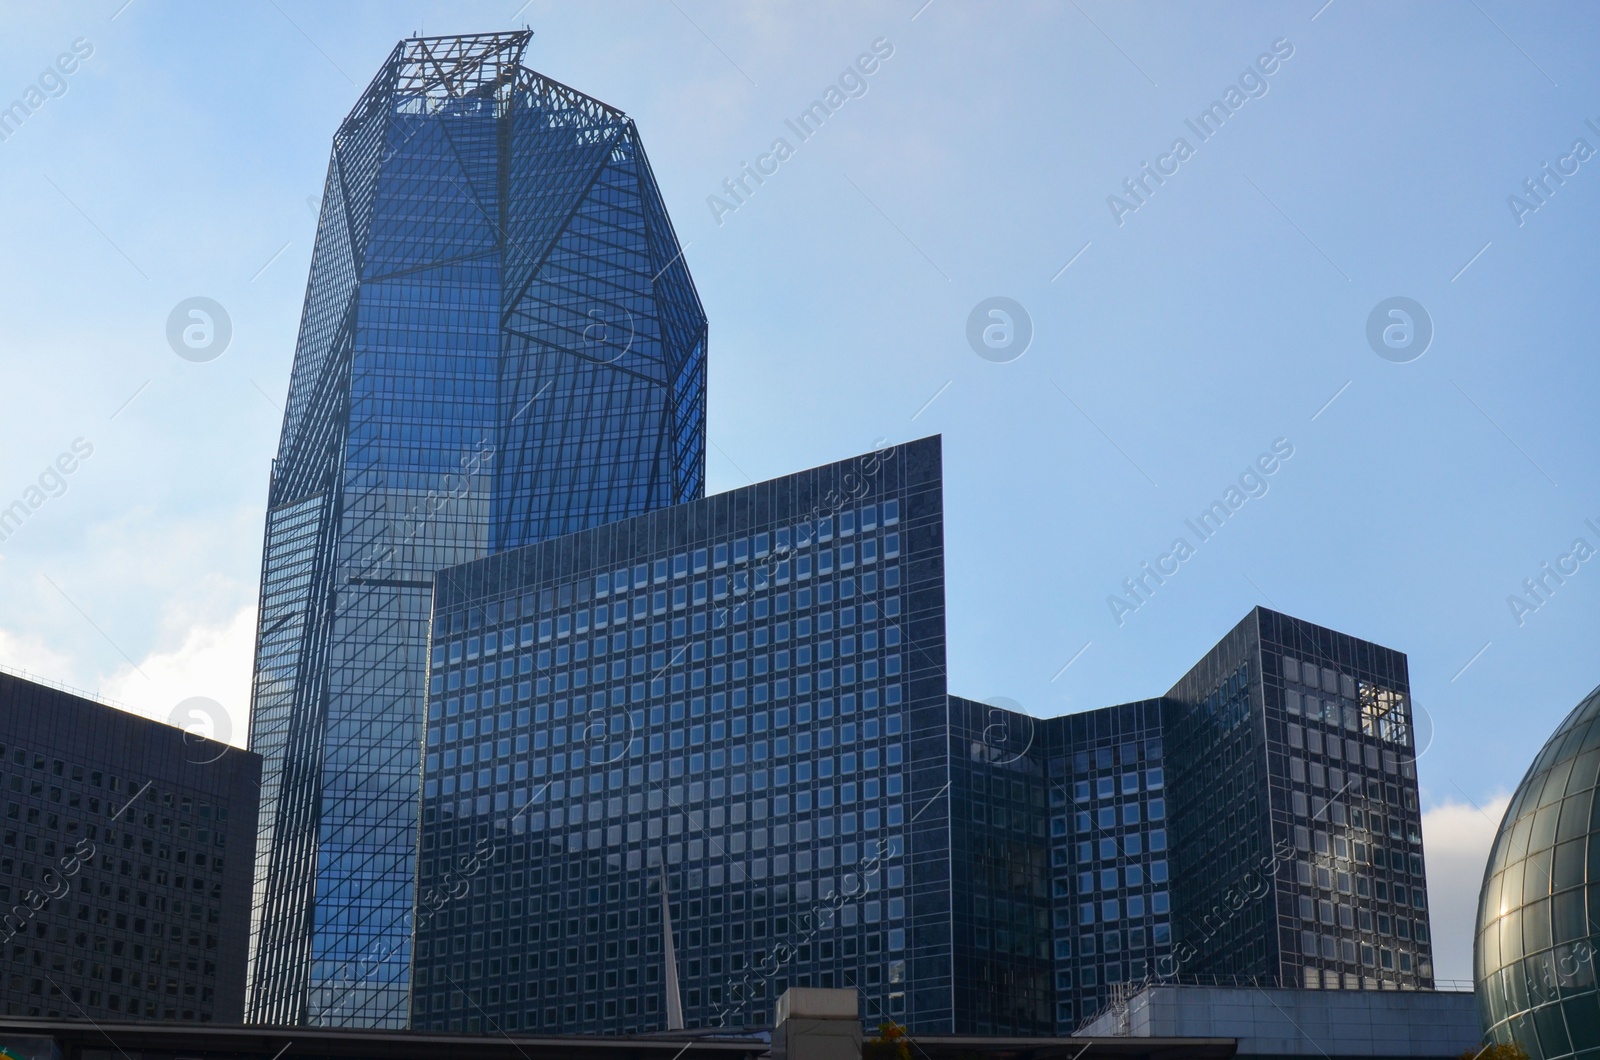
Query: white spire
[[674, 1000]]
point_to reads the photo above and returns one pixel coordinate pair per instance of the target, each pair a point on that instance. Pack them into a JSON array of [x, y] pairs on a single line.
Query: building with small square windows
[[1293, 771], [126, 857], [680, 763], [1000, 869], [1258, 823], [731, 713], [1110, 881]]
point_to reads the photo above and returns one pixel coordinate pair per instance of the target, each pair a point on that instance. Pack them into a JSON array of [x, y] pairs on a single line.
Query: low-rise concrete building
[[1275, 1022]]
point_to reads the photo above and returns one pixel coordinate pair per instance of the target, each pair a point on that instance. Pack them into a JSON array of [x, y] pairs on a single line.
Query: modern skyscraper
[[125, 863], [1292, 750], [1109, 851], [1000, 872], [500, 343], [750, 690], [1258, 822]]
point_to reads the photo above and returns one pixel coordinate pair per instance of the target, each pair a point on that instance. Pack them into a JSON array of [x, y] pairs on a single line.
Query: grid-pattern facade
[[1356, 816], [1221, 823], [1533, 955], [500, 342], [1241, 827], [740, 699], [666, 702], [1110, 877], [125, 853], [1293, 762], [1000, 875]]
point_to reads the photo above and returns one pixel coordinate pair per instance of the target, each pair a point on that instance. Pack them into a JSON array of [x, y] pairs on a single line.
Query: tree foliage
[[892, 1043], [1497, 1051]]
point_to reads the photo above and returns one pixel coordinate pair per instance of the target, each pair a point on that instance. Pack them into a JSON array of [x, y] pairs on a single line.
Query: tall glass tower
[[500, 343]]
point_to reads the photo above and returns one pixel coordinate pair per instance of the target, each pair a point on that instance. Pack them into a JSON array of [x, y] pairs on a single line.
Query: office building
[[500, 343], [742, 698], [1111, 882], [1258, 823], [1292, 754], [125, 863], [1002, 960], [1534, 951], [1062, 890], [1284, 1022]]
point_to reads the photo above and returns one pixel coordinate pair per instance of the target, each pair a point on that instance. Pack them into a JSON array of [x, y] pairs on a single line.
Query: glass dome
[[1539, 915]]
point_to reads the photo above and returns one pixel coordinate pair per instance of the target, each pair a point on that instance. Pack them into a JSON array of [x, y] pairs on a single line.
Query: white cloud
[[213, 662], [30, 655], [1458, 836]]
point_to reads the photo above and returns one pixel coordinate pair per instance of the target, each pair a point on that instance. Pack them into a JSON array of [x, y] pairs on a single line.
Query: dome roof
[[1538, 917]]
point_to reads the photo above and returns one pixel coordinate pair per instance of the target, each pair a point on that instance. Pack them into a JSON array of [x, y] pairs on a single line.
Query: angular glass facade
[[500, 343], [741, 700], [1534, 954]]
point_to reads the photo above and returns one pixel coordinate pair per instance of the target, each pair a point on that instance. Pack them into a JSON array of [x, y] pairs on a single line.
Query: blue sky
[[1227, 311]]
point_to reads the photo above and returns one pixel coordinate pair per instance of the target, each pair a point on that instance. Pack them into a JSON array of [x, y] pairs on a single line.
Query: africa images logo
[[1253, 83], [51, 84], [853, 83]]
